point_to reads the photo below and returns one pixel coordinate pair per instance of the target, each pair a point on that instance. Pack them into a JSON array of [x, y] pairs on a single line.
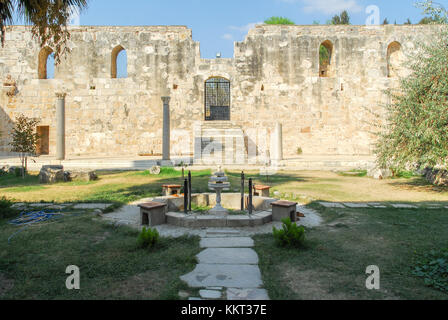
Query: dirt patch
[[309, 284], [146, 285], [324, 285], [5, 284]]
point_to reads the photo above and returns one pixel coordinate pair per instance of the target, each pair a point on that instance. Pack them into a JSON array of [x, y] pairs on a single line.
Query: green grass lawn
[[304, 186], [334, 262], [111, 266], [331, 267]]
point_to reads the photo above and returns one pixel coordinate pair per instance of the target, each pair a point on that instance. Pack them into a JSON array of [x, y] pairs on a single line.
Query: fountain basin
[[175, 215]]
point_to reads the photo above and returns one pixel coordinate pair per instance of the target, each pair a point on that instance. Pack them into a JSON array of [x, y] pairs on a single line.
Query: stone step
[[222, 232]]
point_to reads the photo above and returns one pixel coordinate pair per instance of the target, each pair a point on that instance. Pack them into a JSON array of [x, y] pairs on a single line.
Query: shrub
[[279, 20], [5, 207], [433, 268], [299, 151], [19, 172], [290, 235], [147, 238]]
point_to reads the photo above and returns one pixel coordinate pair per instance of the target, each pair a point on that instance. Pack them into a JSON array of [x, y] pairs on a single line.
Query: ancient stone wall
[[274, 75]]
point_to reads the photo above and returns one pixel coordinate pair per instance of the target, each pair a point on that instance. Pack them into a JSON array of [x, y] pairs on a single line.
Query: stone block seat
[[171, 190], [152, 213], [284, 209], [263, 191]]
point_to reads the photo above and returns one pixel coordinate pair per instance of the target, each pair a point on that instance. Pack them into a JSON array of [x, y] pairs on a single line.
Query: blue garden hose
[[28, 218]]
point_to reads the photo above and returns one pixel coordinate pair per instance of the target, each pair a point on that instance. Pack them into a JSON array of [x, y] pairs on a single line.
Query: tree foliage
[[49, 20], [24, 138], [436, 13], [416, 133], [279, 20], [324, 55], [343, 18]]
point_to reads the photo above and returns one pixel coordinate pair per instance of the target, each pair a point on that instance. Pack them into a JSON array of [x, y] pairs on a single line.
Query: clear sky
[[217, 24]]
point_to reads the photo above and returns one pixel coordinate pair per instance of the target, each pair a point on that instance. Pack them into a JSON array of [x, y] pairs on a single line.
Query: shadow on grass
[[108, 258], [419, 184], [333, 264], [11, 180]]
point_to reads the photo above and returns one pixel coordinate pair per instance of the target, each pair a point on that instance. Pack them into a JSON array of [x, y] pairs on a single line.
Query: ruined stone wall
[[274, 77]]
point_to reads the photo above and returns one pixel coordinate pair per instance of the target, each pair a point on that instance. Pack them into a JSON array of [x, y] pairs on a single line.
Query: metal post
[[242, 191], [60, 125], [189, 191], [250, 196], [186, 196]]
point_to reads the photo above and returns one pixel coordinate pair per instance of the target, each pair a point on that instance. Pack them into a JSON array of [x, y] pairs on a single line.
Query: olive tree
[[415, 134], [24, 139]]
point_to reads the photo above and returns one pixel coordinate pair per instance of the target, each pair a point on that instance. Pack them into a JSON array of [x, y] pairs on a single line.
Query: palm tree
[[49, 19]]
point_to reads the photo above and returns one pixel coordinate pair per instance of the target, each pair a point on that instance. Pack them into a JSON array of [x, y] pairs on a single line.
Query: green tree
[[279, 20], [428, 20], [385, 21], [435, 13], [324, 55], [408, 22], [49, 20], [416, 130], [24, 139], [342, 18]]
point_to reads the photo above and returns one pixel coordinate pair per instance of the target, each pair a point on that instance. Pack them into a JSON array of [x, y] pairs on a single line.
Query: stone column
[[166, 128], [60, 126], [278, 156]]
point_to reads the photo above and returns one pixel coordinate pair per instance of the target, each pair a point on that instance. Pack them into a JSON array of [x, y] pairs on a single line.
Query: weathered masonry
[[275, 76]]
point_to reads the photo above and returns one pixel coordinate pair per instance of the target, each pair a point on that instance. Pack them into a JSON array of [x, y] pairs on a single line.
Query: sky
[[218, 24]]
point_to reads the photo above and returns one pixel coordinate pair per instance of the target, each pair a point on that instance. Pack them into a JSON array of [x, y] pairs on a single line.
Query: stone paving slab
[[210, 294], [403, 206], [231, 242], [40, 205], [332, 205], [355, 205], [227, 276], [228, 256], [247, 294], [101, 206]]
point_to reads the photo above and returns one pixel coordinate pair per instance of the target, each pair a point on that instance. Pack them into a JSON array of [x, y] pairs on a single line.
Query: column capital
[[166, 100], [60, 95]]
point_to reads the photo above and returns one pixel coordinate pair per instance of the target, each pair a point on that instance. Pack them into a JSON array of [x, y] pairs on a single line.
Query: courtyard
[[351, 222]]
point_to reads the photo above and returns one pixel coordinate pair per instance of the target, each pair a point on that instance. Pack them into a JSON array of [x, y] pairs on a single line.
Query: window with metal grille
[[217, 99]]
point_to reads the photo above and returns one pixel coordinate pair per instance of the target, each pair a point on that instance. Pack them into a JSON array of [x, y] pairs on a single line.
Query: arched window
[[326, 57], [46, 63], [119, 63], [217, 99], [394, 59]]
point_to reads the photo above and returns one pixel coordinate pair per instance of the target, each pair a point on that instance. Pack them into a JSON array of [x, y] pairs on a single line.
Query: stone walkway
[[380, 205], [227, 268]]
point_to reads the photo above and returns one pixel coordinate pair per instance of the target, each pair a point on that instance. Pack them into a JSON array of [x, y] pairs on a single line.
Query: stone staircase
[[219, 142]]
